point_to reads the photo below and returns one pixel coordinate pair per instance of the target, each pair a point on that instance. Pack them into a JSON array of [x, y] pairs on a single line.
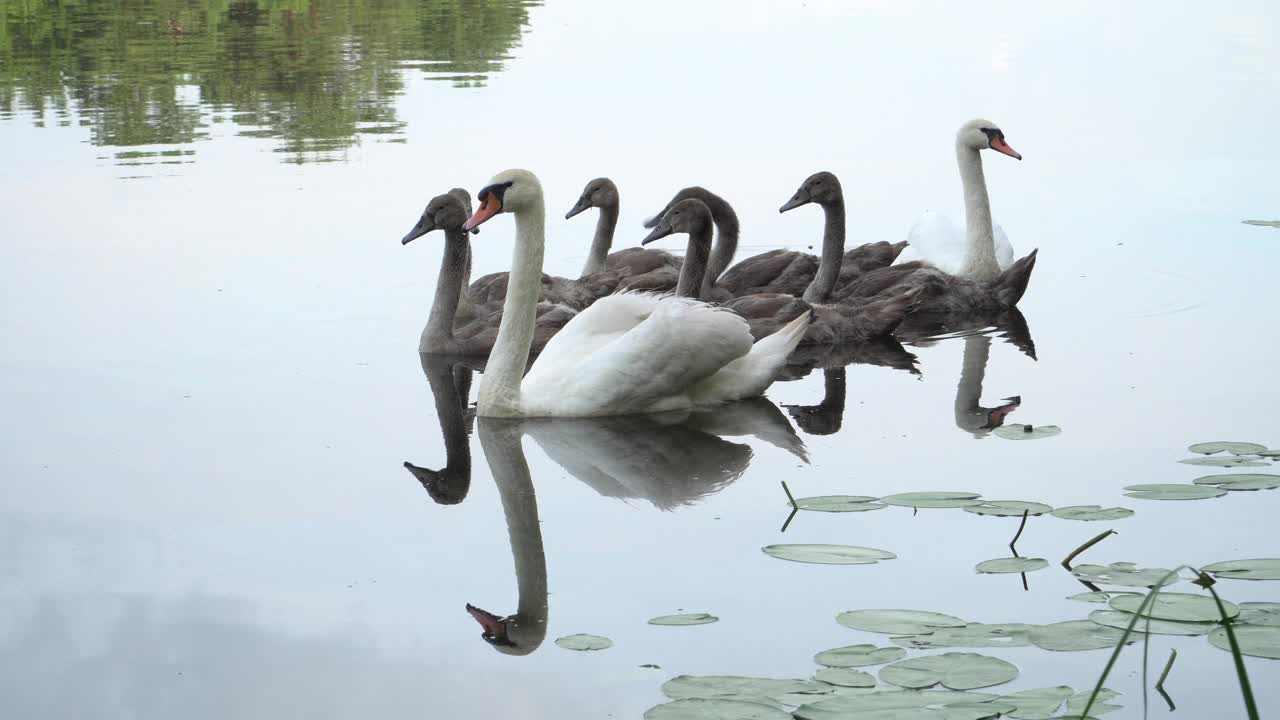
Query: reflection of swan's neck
[[969, 414], [980, 254], [605, 225], [449, 291], [833, 382], [695, 281], [501, 443], [451, 401], [727, 239], [832, 253], [500, 386]]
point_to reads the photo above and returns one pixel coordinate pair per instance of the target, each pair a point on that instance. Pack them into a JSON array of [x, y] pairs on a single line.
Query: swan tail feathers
[[751, 374], [880, 316], [1010, 285]]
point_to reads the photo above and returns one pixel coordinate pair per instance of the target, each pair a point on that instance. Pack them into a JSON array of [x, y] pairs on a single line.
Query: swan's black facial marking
[[497, 189], [992, 134]]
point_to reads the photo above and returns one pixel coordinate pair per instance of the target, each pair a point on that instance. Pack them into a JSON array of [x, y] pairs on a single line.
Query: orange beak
[[489, 207], [999, 145]]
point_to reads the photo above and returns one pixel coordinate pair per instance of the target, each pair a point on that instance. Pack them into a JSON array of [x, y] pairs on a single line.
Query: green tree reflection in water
[[315, 74]]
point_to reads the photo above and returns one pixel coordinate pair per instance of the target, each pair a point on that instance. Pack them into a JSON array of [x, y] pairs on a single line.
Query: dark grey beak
[[582, 205], [800, 198], [425, 225], [662, 230]]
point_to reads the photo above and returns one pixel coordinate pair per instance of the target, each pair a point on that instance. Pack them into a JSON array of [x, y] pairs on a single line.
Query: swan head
[[982, 134], [508, 191], [445, 212], [690, 216], [821, 187], [599, 193], [444, 487], [512, 635]]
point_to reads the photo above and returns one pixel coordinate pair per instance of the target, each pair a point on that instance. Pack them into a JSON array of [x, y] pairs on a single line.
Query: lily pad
[[1075, 705], [1270, 453], [1224, 462], [844, 677], [1090, 513], [1235, 448], [955, 671], [1241, 481], [582, 641], [1037, 703], [737, 687], [1097, 597], [828, 554], [1173, 491], [839, 503], [1122, 573], [859, 656], [1120, 621], [1185, 607], [1074, 635], [1011, 565], [904, 705], [897, 622], [1027, 432], [1008, 508], [1255, 569], [932, 499], [1259, 613], [1255, 640], [975, 635], [715, 709], [684, 619]]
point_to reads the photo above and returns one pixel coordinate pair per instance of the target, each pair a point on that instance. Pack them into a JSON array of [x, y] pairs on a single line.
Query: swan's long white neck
[[824, 281], [500, 386], [450, 291], [606, 223], [980, 255]]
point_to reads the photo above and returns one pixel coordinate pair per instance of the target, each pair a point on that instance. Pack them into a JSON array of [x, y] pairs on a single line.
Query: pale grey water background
[[210, 376]]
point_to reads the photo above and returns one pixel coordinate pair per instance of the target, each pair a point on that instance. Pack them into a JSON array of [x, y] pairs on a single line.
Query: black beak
[[800, 198], [425, 225], [583, 203], [662, 230]]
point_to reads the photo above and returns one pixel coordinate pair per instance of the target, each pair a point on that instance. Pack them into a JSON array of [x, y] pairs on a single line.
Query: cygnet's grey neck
[[450, 284], [695, 280], [606, 223], [824, 282]]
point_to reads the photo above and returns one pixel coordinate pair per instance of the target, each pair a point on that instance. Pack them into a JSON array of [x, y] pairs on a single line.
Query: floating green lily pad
[[737, 687], [1259, 613], [1097, 597], [955, 671], [1255, 569], [839, 503], [1255, 640], [1173, 491], [1090, 513], [897, 622], [844, 677], [1241, 481], [1008, 508], [904, 705], [684, 619], [1120, 620], [1027, 432], [1036, 703], [1185, 607], [859, 656], [1235, 448], [582, 641], [828, 554], [974, 635], [1270, 453], [1224, 462], [1075, 705], [1011, 565], [1122, 573], [1074, 635], [932, 499], [715, 709]]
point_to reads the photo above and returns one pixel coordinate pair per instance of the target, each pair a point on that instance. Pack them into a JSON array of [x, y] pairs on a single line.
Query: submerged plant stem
[[790, 497], [1173, 655], [1246, 689], [1017, 535], [1066, 562]]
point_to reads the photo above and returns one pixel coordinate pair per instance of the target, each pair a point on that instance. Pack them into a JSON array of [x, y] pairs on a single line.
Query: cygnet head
[[687, 216], [445, 212], [598, 193], [821, 187], [982, 134], [511, 635], [508, 191]]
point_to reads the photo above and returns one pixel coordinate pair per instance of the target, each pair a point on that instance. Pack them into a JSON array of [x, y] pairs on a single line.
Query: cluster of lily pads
[[1237, 455]]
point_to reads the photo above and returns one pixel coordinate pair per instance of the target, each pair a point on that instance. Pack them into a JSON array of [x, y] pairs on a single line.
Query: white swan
[[627, 353], [965, 251]]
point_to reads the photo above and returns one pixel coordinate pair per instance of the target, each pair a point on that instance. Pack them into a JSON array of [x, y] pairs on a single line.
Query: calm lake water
[[210, 376]]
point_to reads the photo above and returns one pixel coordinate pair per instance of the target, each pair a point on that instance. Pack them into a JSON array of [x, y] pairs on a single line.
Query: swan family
[[642, 330]]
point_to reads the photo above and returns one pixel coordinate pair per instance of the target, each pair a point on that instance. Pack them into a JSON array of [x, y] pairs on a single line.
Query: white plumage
[[940, 241]]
